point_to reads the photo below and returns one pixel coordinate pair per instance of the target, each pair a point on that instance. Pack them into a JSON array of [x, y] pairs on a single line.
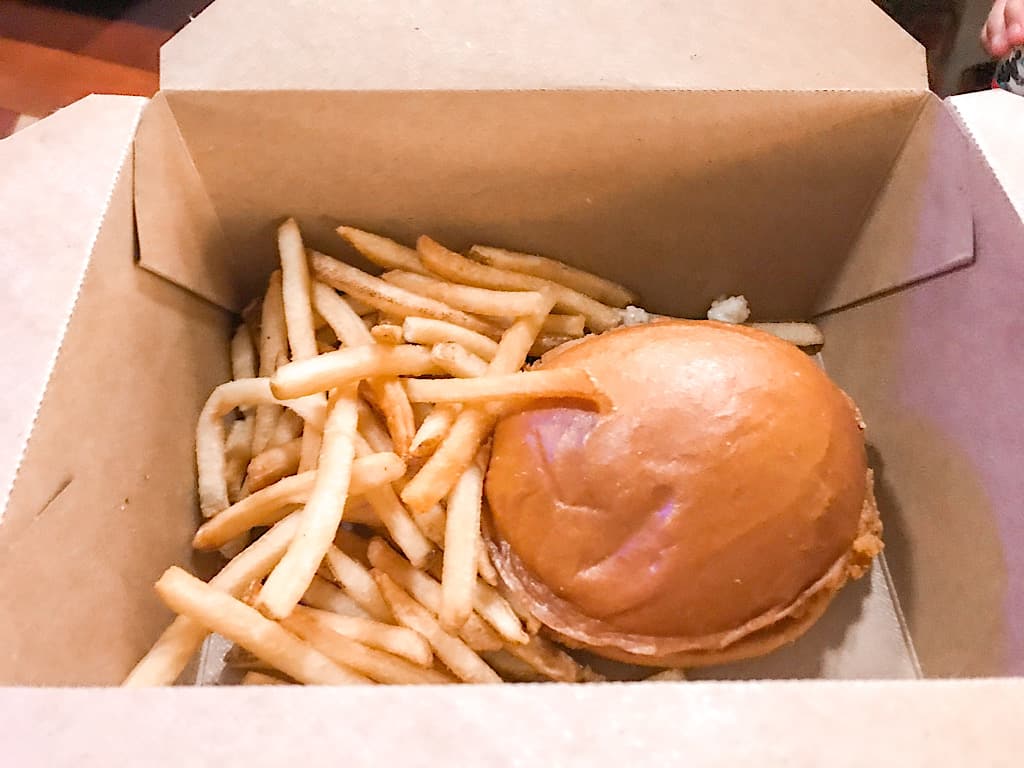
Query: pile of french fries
[[341, 470]]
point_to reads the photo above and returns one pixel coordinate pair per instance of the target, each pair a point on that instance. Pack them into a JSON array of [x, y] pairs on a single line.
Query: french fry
[[288, 427], [427, 591], [548, 659], [597, 288], [800, 334], [667, 676], [387, 333], [490, 606], [243, 356], [222, 613], [295, 288], [398, 641], [452, 266], [266, 506], [461, 538], [427, 331], [452, 651], [433, 429], [390, 298], [371, 430], [389, 392], [484, 566], [511, 668], [455, 359], [375, 664], [382, 251], [273, 346], [395, 517], [210, 457], [237, 450], [564, 325], [545, 343], [324, 596], [253, 677], [181, 640], [480, 301], [552, 383], [360, 586], [433, 523], [273, 464], [309, 448], [322, 514], [350, 366], [436, 478]]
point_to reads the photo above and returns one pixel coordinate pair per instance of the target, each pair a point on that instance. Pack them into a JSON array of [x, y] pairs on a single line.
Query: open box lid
[[536, 44]]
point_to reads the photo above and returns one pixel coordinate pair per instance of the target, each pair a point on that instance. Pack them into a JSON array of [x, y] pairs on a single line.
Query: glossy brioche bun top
[[726, 492]]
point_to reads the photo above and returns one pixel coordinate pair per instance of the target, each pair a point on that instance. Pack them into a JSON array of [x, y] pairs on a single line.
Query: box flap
[[463, 44], [938, 373], [994, 120], [632, 184], [58, 176], [917, 723]]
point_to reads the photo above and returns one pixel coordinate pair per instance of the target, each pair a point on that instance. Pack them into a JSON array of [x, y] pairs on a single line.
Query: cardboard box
[[794, 164]]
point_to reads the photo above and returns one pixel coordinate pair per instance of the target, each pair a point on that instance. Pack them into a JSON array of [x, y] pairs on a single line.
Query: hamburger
[[711, 515]]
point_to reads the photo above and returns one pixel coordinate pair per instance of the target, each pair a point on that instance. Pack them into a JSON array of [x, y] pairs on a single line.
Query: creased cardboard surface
[[937, 371], [934, 723], [55, 184], [664, 191], [105, 498], [920, 224], [529, 44]]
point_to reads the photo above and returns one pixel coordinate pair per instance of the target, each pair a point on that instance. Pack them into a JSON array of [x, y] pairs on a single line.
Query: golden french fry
[[512, 669], [309, 450], [323, 595], [180, 641], [382, 251], [427, 591], [420, 411], [564, 325], [667, 676], [800, 334], [427, 331], [210, 456], [461, 538], [389, 392], [288, 427], [552, 383], [395, 517], [436, 478], [371, 430], [237, 448], [480, 301], [548, 659], [433, 429], [545, 343], [252, 677], [295, 287], [390, 298], [452, 651], [376, 665], [243, 356], [433, 523], [452, 266], [398, 641], [455, 359], [350, 366], [322, 514], [273, 464], [490, 605], [387, 333], [273, 346], [484, 566], [591, 285], [222, 613], [267, 506], [360, 586]]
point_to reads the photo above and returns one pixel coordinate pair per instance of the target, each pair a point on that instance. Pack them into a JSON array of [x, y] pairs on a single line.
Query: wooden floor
[[52, 54]]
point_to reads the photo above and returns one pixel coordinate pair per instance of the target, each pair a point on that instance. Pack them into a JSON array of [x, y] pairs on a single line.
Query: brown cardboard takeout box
[[785, 151]]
